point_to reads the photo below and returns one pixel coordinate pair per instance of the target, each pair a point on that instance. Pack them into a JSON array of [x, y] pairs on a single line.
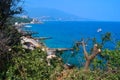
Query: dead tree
[[88, 57]]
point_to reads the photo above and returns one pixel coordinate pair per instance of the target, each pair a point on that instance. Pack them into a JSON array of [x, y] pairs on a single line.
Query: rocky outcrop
[[29, 43]]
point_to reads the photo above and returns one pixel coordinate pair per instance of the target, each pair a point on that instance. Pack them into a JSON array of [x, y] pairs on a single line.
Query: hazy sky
[[106, 10]]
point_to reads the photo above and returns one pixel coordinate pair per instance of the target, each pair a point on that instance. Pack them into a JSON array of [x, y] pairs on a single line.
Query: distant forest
[[12, 20]]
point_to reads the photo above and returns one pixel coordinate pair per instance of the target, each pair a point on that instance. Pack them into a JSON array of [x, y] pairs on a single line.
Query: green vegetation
[[12, 20], [17, 63], [9, 8], [32, 66]]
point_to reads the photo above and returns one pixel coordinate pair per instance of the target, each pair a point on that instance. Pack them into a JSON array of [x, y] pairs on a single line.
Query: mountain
[[48, 14]]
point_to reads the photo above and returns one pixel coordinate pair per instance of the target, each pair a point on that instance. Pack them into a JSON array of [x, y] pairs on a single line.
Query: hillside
[[12, 20], [48, 14]]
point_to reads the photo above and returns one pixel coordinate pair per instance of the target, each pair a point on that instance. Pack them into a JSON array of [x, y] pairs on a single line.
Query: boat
[[28, 26], [99, 30]]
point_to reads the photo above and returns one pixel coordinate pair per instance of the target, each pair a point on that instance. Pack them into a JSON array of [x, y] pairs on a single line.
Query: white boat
[[99, 30], [28, 26]]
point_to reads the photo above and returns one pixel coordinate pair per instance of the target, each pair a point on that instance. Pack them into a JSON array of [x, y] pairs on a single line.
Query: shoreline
[[31, 43], [35, 42]]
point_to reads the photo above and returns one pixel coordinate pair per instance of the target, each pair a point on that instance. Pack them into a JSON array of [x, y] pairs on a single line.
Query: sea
[[64, 34]]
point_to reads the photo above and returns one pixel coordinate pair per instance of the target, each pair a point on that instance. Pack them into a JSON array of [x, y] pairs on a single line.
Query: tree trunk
[[89, 58], [87, 63]]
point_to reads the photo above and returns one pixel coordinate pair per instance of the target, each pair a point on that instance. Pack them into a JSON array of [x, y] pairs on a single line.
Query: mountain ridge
[[48, 14]]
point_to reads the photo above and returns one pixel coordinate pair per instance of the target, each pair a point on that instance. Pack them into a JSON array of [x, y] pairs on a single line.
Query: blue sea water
[[65, 33]]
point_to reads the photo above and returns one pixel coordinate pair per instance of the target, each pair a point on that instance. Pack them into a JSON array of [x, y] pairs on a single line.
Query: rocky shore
[[31, 43]]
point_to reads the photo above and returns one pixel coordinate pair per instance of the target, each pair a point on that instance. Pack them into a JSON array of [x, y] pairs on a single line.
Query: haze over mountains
[[47, 14]]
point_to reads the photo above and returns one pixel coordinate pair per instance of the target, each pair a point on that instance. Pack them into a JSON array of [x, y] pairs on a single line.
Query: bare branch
[[84, 50], [95, 52]]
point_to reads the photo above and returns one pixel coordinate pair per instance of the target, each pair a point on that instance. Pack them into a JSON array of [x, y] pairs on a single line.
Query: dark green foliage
[[112, 58], [106, 37], [9, 8], [32, 66], [76, 47], [9, 36], [118, 45]]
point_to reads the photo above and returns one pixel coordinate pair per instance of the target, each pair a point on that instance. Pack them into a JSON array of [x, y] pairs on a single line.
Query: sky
[[102, 10]]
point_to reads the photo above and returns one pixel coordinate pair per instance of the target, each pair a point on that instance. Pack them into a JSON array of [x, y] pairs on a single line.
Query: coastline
[[64, 37], [31, 43]]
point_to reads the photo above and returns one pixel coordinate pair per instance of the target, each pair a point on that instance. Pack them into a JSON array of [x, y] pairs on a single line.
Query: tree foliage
[[9, 8], [32, 66], [9, 36]]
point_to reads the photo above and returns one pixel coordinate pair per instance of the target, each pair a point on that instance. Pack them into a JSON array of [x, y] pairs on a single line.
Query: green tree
[[9, 8], [9, 36]]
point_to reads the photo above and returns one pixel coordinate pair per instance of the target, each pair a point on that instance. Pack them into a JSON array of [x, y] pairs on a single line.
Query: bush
[[33, 66]]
